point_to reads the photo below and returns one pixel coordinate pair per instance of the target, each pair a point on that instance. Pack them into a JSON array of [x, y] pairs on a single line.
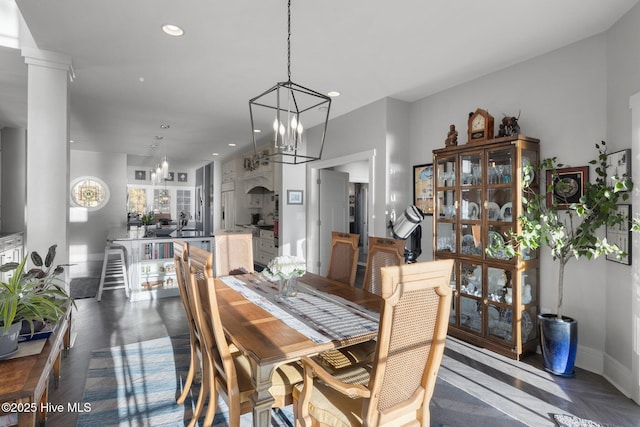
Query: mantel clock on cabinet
[[480, 127]]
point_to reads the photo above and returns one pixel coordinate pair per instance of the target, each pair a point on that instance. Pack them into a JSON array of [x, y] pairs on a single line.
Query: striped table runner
[[318, 316]]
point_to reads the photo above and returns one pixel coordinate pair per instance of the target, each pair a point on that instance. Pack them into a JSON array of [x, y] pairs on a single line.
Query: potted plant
[[29, 297], [571, 233]]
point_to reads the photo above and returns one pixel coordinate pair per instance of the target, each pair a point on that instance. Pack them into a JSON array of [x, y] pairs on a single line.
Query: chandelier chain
[[289, 40]]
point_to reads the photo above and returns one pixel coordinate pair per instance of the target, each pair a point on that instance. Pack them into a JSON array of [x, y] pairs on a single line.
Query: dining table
[[270, 331]]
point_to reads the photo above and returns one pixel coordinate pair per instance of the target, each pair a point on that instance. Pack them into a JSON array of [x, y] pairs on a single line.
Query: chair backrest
[[234, 253], [201, 260], [383, 252], [343, 260], [181, 262], [215, 342], [411, 339]]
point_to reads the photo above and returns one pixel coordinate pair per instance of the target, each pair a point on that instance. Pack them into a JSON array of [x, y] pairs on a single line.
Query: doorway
[[360, 169]]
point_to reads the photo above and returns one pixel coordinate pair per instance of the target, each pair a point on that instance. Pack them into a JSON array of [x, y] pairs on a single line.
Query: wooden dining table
[[269, 341]]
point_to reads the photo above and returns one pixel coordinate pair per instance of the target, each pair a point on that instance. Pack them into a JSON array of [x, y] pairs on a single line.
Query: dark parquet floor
[[520, 389]]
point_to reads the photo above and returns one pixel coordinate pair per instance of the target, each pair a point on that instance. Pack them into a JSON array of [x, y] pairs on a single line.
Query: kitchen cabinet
[[478, 189], [266, 248], [229, 171]]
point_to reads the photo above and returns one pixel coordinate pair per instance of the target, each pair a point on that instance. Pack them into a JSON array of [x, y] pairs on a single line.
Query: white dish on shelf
[[473, 210], [469, 245], [497, 279], [493, 211], [505, 212], [495, 239]]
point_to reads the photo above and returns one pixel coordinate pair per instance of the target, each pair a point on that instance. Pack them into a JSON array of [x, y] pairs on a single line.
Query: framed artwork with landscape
[[423, 188], [568, 186]]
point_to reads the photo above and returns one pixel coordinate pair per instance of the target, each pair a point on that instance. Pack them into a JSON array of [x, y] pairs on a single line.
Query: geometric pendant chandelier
[[287, 110]]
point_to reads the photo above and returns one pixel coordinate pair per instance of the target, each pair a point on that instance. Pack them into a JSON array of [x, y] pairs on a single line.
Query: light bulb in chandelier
[[165, 168]]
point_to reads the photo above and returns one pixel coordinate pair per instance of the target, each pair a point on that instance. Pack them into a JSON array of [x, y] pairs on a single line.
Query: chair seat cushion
[[354, 355], [330, 407], [283, 378]]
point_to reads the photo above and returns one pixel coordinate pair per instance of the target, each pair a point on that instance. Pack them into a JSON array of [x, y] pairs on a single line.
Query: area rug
[[84, 287], [571, 421], [137, 384]]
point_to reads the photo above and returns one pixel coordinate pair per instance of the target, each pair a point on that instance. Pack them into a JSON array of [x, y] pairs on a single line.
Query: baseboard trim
[[618, 375], [590, 359]]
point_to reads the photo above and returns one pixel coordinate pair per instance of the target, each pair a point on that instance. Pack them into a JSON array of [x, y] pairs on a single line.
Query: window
[[162, 200], [183, 203], [89, 192], [137, 203]]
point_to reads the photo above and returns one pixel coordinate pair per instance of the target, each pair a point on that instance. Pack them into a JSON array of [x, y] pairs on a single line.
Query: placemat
[[319, 318], [28, 348]]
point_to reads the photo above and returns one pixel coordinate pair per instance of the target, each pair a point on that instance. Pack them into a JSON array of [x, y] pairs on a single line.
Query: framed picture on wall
[[618, 166], [620, 235], [141, 175], [294, 197], [423, 197], [568, 186]]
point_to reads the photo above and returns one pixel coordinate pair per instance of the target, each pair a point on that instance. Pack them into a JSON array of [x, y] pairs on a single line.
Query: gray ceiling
[[130, 77]]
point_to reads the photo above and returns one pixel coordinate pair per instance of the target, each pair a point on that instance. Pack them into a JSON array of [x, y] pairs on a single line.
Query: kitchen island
[[150, 263]]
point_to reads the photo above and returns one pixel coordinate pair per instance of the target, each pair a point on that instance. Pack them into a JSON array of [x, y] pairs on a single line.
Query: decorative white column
[[47, 210], [634, 104]]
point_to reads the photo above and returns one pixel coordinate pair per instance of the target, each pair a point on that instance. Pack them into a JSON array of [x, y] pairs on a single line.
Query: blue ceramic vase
[[558, 344]]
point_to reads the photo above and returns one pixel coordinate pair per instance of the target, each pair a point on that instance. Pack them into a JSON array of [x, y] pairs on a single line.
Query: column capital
[[48, 59]]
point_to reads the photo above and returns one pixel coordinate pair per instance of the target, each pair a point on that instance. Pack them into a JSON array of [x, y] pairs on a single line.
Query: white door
[[334, 211]]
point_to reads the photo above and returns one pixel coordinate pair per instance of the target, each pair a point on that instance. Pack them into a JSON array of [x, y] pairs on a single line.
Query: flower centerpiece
[[285, 269]]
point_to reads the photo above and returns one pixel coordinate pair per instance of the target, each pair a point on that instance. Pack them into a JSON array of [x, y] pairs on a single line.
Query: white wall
[[623, 80], [561, 97], [87, 239]]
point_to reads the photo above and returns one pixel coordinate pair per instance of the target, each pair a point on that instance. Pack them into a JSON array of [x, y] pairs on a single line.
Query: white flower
[[285, 267]]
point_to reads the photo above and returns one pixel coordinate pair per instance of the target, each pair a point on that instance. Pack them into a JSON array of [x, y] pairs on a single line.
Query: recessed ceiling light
[[214, 154], [71, 141], [257, 131], [172, 30], [154, 146], [163, 126], [333, 93], [232, 145]]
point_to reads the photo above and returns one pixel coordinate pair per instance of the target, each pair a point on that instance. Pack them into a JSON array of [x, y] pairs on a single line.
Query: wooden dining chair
[[411, 340], [343, 260], [233, 253], [228, 372], [181, 261], [383, 252]]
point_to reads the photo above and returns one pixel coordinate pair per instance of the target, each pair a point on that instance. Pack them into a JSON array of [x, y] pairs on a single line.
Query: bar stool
[[115, 269]]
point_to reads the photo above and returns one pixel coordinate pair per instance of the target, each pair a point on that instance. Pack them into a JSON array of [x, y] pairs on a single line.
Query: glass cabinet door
[[471, 169]]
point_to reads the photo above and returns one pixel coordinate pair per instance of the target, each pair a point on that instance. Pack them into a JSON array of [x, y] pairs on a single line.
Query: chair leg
[[207, 376], [125, 275], [190, 375], [104, 273], [213, 404]]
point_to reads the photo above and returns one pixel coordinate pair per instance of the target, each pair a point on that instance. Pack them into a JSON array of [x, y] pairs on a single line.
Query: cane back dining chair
[[181, 261], [233, 253], [383, 252], [411, 340], [228, 371], [343, 260]]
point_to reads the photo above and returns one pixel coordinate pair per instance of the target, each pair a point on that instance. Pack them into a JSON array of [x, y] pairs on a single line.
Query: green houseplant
[[30, 296], [571, 233]]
